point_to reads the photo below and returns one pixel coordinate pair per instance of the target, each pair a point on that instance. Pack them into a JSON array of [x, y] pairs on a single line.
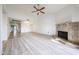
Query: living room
[[57, 23]]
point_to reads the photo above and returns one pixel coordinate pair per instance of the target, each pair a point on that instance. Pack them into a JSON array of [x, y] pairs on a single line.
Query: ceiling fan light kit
[[38, 10]]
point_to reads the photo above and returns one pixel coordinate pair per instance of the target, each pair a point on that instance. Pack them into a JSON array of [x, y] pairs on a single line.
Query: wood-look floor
[[37, 44]]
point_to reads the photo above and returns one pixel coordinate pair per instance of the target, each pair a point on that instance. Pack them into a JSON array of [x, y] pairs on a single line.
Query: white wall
[[46, 24], [23, 17], [0, 29], [5, 26], [25, 27], [75, 16]]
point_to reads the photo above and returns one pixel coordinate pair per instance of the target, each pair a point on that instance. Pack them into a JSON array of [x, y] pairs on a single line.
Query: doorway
[[15, 28]]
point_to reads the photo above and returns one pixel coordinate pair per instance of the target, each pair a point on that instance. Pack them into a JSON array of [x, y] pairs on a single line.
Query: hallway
[[37, 44]]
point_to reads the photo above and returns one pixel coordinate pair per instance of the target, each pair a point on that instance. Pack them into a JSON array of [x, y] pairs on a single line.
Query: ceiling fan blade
[[42, 8], [35, 7], [42, 12], [38, 13]]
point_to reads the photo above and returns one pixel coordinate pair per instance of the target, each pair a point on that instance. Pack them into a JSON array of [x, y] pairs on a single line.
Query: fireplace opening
[[63, 34]]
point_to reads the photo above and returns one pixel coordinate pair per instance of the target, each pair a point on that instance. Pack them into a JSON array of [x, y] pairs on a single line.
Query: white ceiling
[[24, 11], [28, 8]]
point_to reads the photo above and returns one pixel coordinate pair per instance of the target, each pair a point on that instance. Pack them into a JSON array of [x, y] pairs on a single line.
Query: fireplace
[[63, 34]]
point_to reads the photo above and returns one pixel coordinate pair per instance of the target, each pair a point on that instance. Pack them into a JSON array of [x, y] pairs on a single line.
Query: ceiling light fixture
[[38, 9]]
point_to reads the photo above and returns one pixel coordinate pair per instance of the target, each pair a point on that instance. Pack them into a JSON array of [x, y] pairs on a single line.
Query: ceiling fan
[[38, 9]]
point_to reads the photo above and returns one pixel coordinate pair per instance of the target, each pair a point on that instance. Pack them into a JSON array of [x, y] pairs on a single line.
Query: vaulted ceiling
[[24, 11], [28, 8]]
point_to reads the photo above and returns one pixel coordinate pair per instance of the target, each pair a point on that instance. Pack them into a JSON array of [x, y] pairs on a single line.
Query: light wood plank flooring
[[37, 44]]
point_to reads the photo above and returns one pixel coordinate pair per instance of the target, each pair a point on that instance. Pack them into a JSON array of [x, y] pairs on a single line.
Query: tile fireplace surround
[[72, 28]]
